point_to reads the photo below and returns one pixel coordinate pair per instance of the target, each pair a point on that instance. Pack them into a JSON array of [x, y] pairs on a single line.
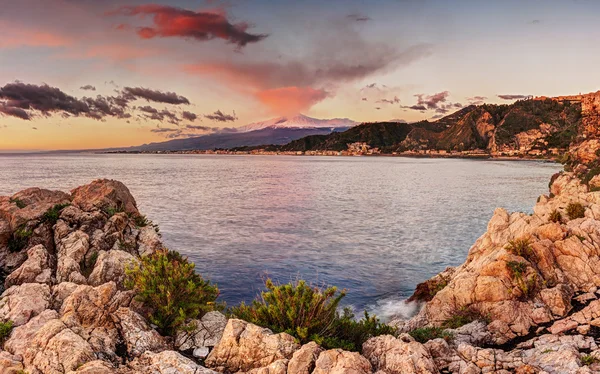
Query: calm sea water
[[375, 226]]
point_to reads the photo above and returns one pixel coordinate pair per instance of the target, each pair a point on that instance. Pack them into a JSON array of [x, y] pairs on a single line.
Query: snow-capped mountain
[[299, 121]]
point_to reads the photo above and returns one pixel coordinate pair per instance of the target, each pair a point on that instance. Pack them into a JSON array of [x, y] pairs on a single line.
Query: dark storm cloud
[[221, 117], [189, 116], [514, 97], [131, 93], [25, 101], [88, 87], [201, 26], [14, 112]]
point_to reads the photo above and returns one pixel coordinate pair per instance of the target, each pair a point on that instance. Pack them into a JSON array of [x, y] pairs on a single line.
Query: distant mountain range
[[276, 131]]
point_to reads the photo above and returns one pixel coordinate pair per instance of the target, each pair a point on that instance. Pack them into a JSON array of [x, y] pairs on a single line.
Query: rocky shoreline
[[526, 300]]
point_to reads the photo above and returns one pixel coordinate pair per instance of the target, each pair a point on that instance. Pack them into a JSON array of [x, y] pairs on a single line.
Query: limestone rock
[[277, 367], [10, 364], [110, 266], [303, 361], [558, 299], [104, 194], [71, 253], [245, 346], [395, 356], [21, 336], [95, 367], [36, 269], [148, 241], [337, 361], [166, 362], [206, 332], [20, 303], [136, 333]]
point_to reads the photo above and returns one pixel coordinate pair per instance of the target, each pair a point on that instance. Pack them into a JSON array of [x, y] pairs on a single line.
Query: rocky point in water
[[528, 294]]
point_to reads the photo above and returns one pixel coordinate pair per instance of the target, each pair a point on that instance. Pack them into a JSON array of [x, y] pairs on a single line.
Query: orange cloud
[[291, 100], [28, 38]]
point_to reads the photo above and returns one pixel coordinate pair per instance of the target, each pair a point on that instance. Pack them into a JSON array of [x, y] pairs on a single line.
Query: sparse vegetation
[[20, 239], [520, 247], [575, 210], [464, 316], [51, 216], [19, 203], [5, 330], [141, 221], [588, 360], [555, 216], [310, 313], [167, 283], [527, 285], [424, 334], [111, 211]]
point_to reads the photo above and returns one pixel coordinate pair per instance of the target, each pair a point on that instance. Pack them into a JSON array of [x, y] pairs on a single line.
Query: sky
[[80, 74]]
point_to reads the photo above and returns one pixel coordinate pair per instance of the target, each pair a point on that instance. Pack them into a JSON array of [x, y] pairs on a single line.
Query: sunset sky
[[99, 73]]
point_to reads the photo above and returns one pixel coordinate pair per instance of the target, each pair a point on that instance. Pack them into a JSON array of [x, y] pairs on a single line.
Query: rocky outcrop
[[337, 361], [65, 257], [201, 335], [245, 346], [398, 355]]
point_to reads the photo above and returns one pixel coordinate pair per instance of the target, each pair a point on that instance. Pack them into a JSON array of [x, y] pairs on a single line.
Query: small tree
[[167, 283]]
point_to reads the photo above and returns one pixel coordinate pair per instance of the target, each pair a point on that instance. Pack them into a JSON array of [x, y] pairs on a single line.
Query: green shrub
[[588, 360], [19, 203], [51, 215], [575, 210], [167, 283], [20, 239], [555, 216], [310, 313], [141, 221], [528, 285], [5, 330], [424, 334], [464, 316], [110, 211], [520, 247]]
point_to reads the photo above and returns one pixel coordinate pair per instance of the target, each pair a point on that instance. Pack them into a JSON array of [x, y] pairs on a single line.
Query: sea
[[374, 226]]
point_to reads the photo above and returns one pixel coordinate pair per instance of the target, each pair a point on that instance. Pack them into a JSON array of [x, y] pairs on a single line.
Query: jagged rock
[[245, 346], [558, 354], [166, 362], [56, 349], [71, 253], [104, 194], [136, 333], [398, 355], [36, 269], [36, 202], [337, 361], [20, 303], [148, 241], [558, 299], [474, 333], [110, 266], [10, 364], [60, 292], [21, 336], [304, 359], [205, 332]]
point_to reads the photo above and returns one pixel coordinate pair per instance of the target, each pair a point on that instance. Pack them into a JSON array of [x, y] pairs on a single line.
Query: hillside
[[526, 127]]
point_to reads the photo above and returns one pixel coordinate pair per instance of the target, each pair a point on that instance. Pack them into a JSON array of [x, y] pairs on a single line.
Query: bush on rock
[[167, 283], [310, 313]]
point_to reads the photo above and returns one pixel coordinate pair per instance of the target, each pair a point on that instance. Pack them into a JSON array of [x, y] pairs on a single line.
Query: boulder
[[136, 334], [277, 367], [95, 367], [148, 241], [558, 299], [303, 361], [166, 362], [204, 332], [337, 361], [110, 266], [71, 252], [104, 194], [245, 346], [36, 269], [398, 355], [20, 303], [21, 336]]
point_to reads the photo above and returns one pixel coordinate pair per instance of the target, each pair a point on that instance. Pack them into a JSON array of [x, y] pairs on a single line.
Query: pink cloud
[[291, 100]]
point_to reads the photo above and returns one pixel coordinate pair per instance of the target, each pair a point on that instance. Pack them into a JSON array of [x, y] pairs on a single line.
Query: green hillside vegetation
[[470, 128]]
